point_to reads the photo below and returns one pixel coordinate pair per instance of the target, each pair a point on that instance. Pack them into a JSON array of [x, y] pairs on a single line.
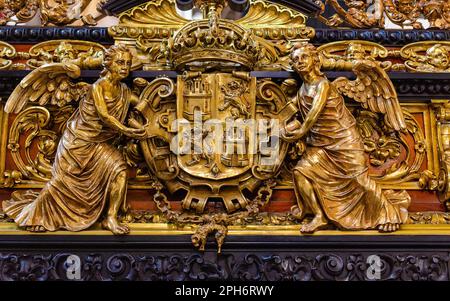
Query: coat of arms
[[216, 133]]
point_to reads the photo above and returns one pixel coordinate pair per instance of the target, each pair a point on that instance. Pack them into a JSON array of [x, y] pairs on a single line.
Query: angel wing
[[48, 83], [375, 91]]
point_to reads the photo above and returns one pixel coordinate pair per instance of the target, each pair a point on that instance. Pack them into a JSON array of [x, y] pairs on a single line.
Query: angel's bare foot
[[35, 229], [111, 223], [318, 222], [388, 227]]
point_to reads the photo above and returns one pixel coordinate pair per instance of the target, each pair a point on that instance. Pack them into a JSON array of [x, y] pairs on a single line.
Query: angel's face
[[302, 60], [355, 51], [438, 56], [120, 65]]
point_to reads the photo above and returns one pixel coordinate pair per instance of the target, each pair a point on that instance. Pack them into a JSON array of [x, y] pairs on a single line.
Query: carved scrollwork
[[158, 106], [25, 267], [355, 49], [24, 10], [430, 56], [384, 146], [442, 111], [249, 266], [87, 55], [359, 14], [54, 12], [403, 13], [7, 52], [40, 129], [272, 104]]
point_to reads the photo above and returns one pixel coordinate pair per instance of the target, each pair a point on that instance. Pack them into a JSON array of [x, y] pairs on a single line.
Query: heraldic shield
[[214, 135], [218, 135]]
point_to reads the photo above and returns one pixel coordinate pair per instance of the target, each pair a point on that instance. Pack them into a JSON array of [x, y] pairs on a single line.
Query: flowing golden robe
[[335, 163], [85, 165]]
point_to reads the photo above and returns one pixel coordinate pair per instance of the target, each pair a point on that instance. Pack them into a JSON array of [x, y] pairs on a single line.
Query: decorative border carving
[[413, 259]]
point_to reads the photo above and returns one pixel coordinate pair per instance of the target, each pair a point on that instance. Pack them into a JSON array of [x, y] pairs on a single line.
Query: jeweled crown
[[213, 42]]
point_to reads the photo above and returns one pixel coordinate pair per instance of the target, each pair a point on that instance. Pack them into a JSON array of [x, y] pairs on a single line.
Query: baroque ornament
[[427, 56], [171, 124], [333, 164], [52, 12], [79, 189], [372, 13]]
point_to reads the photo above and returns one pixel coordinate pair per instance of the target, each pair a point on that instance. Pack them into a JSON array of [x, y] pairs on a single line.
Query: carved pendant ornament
[[212, 130]]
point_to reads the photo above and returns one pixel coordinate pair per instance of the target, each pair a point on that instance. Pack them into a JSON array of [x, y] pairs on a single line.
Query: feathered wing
[[51, 83], [375, 91]]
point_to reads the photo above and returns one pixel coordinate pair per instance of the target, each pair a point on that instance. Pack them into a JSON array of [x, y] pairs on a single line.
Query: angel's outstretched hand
[[137, 130], [290, 132]]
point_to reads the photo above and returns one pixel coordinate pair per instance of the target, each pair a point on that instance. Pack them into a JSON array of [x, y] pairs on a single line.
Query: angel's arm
[[109, 120], [134, 99], [318, 104]]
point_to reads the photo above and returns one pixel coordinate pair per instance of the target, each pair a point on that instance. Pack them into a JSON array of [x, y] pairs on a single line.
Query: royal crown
[[213, 42]]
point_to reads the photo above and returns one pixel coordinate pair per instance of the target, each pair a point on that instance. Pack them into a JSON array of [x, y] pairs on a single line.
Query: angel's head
[[117, 61], [65, 51], [439, 56], [355, 51], [305, 59]]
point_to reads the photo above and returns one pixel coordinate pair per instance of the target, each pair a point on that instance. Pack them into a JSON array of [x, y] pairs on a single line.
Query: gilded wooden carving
[[89, 173], [375, 13], [52, 12], [331, 177], [214, 135], [427, 56]]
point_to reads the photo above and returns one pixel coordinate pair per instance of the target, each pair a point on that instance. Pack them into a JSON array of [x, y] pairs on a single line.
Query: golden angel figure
[[331, 179], [89, 175]]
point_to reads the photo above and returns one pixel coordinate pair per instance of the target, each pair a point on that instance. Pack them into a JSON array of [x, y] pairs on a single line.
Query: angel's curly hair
[[308, 47], [110, 53], [435, 47]]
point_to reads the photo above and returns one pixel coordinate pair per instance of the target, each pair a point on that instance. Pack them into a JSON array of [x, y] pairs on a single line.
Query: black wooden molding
[[245, 258], [32, 35], [388, 38]]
